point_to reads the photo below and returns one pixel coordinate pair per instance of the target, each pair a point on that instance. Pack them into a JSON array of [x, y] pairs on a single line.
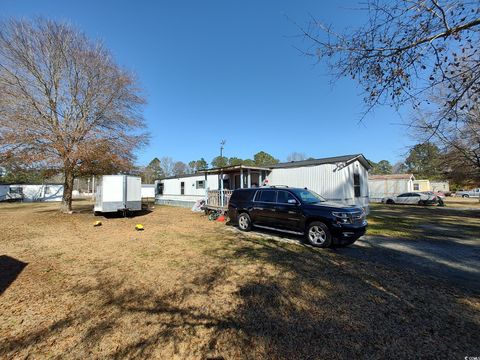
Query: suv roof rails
[[279, 186]]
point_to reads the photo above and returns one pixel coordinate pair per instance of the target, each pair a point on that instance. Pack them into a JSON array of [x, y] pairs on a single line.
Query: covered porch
[[231, 178]]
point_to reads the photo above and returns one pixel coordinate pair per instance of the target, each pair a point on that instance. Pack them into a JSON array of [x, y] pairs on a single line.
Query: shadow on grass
[[120, 214], [10, 268], [298, 303]]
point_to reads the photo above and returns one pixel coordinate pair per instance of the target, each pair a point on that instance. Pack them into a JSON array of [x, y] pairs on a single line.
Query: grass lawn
[[414, 222], [190, 288]]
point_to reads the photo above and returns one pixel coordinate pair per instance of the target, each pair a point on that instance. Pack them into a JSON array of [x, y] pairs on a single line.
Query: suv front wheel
[[318, 234], [244, 222]]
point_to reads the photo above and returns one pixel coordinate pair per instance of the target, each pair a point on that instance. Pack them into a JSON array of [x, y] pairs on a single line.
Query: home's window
[[416, 187], [200, 184], [182, 188], [357, 185], [15, 190]]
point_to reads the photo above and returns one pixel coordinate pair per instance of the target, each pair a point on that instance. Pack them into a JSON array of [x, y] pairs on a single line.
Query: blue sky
[[216, 70]]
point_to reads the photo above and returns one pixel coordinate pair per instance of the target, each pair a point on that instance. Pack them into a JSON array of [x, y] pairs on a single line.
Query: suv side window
[[283, 197], [266, 196]]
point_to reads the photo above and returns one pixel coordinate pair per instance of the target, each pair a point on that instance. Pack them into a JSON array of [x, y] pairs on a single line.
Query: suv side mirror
[[292, 201]]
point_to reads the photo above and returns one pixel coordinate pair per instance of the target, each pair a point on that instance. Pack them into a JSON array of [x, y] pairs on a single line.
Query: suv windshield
[[308, 196]]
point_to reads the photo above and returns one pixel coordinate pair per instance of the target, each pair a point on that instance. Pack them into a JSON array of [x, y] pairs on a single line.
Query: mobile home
[[31, 192], [342, 179]]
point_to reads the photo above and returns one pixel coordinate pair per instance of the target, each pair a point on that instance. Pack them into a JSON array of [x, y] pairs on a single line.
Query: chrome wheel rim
[[243, 222], [317, 235]]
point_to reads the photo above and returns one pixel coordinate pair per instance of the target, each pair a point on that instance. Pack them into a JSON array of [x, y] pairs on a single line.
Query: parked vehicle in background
[[412, 198], [468, 193], [440, 198], [298, 211]]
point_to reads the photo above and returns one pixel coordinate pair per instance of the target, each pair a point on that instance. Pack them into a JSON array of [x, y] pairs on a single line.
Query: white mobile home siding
[[329, 180], [47, 192], [172, 189]]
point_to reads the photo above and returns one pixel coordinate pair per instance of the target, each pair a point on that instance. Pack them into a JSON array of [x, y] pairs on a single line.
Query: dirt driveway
[[454, 260], [438, 242]]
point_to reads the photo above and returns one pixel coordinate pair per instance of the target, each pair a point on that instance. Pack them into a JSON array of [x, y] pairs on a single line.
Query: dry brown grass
[[454, 201], [188, 288]]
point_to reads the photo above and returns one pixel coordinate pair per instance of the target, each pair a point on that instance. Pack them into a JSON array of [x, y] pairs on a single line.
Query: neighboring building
[[31, 192], [148, 191], [381, 186], [421, 185], [4, 189], [342, 179], [442, 186]]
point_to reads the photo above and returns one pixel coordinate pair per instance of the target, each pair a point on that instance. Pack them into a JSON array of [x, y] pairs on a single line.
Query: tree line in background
[[163, 167], [429, 161], [158, 168]]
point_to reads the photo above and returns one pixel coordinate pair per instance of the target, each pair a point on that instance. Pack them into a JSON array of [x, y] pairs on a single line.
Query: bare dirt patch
[[190, 288]]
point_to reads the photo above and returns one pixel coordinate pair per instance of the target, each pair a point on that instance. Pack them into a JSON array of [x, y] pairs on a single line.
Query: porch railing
[[214, 197]]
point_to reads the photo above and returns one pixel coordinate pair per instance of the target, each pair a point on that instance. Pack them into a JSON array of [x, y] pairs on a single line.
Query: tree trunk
[[67, 192]]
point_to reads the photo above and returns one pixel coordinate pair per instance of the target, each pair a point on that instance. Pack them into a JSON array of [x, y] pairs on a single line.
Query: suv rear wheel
[[318, 234], [244, 222]]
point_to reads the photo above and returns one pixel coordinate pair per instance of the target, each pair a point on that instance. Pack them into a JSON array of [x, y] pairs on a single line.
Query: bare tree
[[64, 102], [180, 168], [405, 49], [167, 164], [296, 156], [459, 137]]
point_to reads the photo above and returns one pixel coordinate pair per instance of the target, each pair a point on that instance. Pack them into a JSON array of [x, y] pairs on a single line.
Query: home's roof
[[291, 164], [182, 176], [327, 160], [234, 167], [391, 177]]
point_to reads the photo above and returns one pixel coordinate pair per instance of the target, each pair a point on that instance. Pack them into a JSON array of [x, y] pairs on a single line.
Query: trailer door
[[133, 193]]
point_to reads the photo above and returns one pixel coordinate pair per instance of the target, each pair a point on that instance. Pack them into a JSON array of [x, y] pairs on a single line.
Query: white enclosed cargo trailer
[[118, 193]]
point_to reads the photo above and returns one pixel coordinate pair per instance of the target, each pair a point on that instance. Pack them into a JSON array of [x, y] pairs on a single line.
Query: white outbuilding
[[343, 179], [381, 186]]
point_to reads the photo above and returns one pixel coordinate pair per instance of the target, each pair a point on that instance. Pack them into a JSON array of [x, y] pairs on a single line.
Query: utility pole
[[222, 143]]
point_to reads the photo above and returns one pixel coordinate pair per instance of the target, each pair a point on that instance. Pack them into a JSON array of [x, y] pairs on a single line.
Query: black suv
[[297, 211]]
